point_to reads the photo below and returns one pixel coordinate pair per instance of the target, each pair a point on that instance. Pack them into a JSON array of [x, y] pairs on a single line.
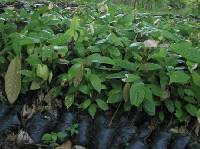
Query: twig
[[114, 115]]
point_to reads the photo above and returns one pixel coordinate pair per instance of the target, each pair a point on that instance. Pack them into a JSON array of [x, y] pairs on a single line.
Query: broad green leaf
[[149, 107], [161, 115], [84, 89], [97, 58], [126, 64], [35, 85], [96, 82], [186, 50], [137, 94], [69, 100], [148, 94], [92, 110], [86, 104], [28, 40], [74, 73], [13, 80], [131, 78], [150, 67], [179, 77], [33, 60], [27, 73], [102, 104], [196, 78], [47, 137], [42, 71], [156, 90], [192, 109], [114, 96], [170, 105], [79, 76]]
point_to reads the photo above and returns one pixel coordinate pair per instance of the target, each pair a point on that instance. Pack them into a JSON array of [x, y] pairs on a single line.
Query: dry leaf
[[23, 137], [66, 145], [126, 92], [13, 80], [50, 95], [151, 43], [27, 111]]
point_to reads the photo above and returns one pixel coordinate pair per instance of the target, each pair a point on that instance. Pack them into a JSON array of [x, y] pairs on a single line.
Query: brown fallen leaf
[[66, 145]]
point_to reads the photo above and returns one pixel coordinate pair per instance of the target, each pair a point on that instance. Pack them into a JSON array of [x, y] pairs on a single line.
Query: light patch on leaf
[[151, 43]]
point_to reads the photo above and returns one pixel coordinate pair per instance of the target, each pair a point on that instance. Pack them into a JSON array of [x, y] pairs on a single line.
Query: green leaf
[[35, 85], [102, 104], [28, 40], [114, 96], [92, 110], [196, 78], [46, 137], [69, 100], [13, 80], [191, 109], [137, 94], [186, 50], [86, 104], [79, 76], [33, 60], [42, 71], [148, 94], [161, 116], [96, 82], [179, 77], [97, 58], [131, 78], [150, 107], [156, 90], [84, 89], [74, 70], [126, 64], [150, 67], [169, 105]]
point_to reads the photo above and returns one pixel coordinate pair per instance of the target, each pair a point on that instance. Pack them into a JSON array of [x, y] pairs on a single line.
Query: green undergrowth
[[95, 56]]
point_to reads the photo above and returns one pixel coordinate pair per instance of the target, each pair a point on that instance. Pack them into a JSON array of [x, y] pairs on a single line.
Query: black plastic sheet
[[124, 135], [9, 122], [104, 138], [40, 124], [84, 132], [180, 142], [161, 141], [137, 144]]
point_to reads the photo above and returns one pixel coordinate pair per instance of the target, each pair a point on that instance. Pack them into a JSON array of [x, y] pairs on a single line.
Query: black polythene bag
[[180, 142], [101, 121], [104, 137], [40, 124], [124, 135], [64, 124], [144, 132], [137, 144], [66, 121], [194, 145], [4, 109], [84, 132], [9, 122], [161, 141]]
